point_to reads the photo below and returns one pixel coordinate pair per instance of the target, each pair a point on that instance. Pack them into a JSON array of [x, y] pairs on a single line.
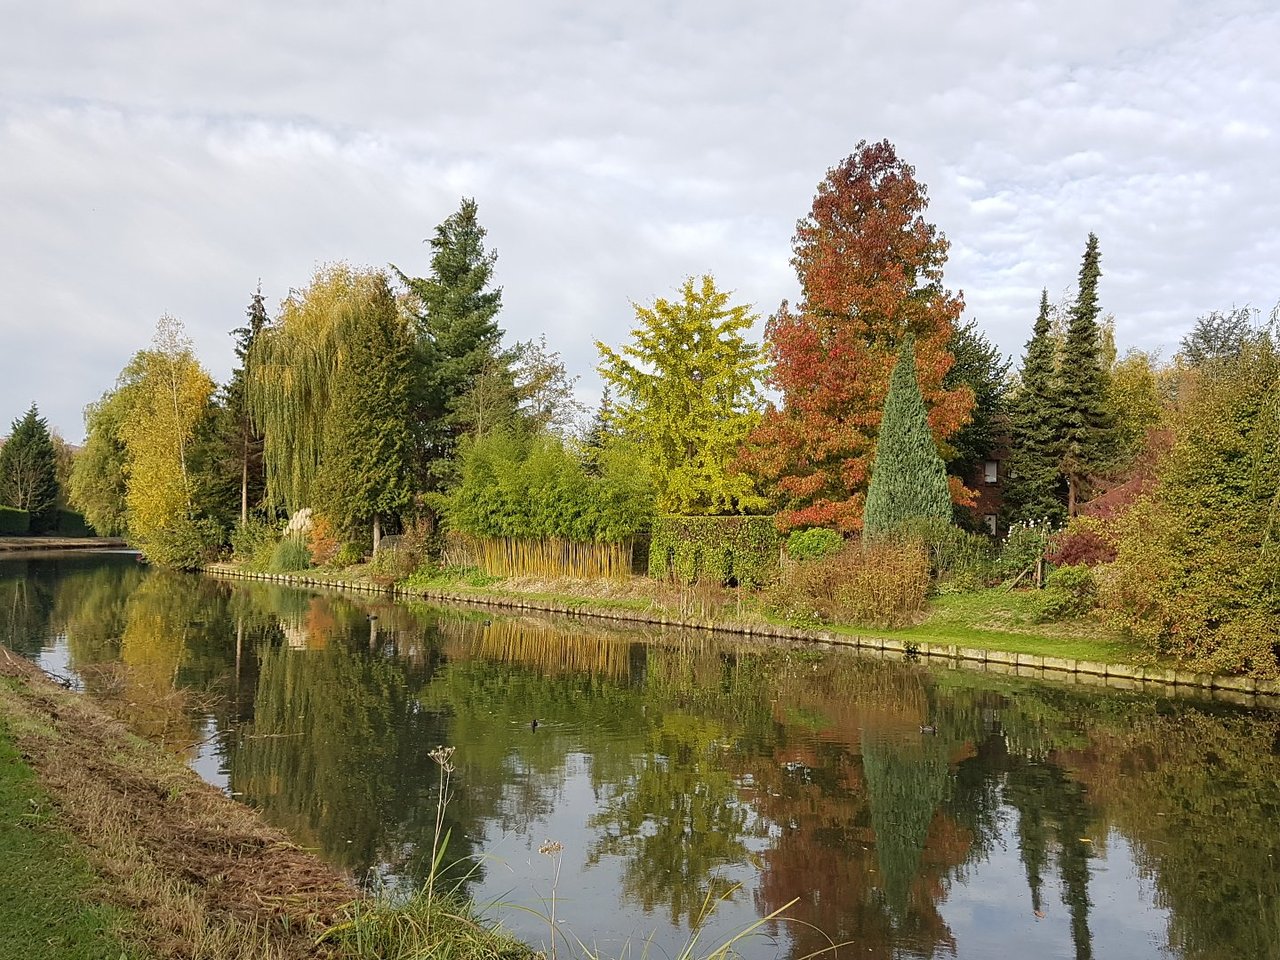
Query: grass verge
[[990, 619], [47, 888], [111, 848]]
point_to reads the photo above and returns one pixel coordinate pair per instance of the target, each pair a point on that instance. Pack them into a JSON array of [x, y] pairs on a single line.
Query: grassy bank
[[114, 848], [994, 619], [49, 895]]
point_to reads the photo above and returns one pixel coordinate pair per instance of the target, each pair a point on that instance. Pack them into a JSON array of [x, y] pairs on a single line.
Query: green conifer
[[29, 471], [365, 475], [1036, 489], [458, 335], [908, 478], [1084, 420]]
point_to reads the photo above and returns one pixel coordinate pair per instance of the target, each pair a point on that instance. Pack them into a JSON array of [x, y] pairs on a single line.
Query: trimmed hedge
[[14, 522], [72, 524], [728, 549]]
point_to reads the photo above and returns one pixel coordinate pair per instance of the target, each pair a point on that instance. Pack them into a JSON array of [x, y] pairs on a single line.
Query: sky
[[166, 158]]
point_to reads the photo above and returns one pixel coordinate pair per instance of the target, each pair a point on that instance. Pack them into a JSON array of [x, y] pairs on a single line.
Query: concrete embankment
[[1165, 681]]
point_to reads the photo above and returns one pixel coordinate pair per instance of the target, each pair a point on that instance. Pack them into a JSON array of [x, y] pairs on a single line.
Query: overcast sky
[[163, 158]]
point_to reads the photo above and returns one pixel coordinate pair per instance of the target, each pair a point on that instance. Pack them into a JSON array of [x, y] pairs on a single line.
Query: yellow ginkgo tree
[[687, 394]]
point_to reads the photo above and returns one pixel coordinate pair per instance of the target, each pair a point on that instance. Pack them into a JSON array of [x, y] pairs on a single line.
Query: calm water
[[1038, 821]]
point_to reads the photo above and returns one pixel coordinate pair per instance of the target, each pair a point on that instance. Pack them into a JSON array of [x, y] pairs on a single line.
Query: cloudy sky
[[163, 158]]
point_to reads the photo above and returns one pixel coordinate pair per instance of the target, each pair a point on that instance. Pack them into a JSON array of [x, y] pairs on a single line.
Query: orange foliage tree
[[870, 271]]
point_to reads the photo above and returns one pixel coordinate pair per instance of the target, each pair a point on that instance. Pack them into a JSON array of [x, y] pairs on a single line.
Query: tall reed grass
[[550, 557]]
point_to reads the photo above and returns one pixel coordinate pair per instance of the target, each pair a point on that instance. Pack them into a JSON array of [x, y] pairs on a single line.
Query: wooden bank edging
[[1248, 691]]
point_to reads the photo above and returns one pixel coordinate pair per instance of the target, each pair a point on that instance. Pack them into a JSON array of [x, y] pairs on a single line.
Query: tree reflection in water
[[798, 772]]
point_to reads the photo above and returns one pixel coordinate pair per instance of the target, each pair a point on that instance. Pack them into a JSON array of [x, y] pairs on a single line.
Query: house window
[[991, 471], [990, 521]]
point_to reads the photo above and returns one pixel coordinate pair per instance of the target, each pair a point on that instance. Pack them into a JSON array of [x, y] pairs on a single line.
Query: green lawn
[[1000, 619], [45, 905]]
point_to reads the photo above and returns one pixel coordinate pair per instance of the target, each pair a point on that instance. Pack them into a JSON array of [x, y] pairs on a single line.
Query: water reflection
[[909, 811]]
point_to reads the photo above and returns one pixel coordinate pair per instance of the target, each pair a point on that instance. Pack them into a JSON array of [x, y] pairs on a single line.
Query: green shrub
[[290, 555], [726, 549], [1023, 546], [394, 561], [14, 522], [348, 555], [249, 539], [1197, 568], [185, 545], [72, 524], [958, 559], [1069, 592], [881, 583], [814, 543]]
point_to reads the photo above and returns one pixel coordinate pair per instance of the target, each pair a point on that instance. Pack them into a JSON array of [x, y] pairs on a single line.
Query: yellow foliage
[[169, 393]]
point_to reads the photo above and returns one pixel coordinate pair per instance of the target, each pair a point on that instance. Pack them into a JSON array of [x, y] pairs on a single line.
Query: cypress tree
[[29, 471], [908, 478], [1036, 488], [1087, 430]]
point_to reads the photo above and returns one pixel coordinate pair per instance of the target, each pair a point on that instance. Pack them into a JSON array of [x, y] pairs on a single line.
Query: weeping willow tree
[[316, 374]]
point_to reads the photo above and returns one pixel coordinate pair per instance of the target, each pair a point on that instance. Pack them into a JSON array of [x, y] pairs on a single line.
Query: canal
[[638, 786]]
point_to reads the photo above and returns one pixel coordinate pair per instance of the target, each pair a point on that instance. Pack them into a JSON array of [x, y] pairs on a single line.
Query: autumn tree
[[1083, 414], [1137, 394], [908, 477], [870, 271], [28, 471], [169, 394], [1197, 574], [1034, 490], [686, 395], [455, 310]]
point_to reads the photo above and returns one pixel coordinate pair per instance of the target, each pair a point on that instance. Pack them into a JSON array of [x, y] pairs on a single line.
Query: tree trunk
[[1071, 495], [244, 487], [377, 533]]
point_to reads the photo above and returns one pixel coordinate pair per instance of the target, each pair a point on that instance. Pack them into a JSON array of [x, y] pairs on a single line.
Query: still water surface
[[1039, 820]]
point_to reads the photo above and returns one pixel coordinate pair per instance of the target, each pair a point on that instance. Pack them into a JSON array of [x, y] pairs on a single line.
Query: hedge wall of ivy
[[727, 549], [14, 522]]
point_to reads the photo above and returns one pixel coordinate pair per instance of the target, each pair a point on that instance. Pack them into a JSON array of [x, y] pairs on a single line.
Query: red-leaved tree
[[870, 270]]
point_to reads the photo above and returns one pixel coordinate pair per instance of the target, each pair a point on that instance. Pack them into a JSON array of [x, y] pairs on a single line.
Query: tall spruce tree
[[908, 477], [243, 442], [1084, 418], [29, 471], [455, 309], [1035, 489]]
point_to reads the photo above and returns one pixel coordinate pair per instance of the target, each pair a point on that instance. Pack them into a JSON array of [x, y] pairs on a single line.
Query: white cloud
[[163, 159]]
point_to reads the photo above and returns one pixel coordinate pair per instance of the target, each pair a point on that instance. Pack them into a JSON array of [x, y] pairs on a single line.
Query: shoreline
[[38, 545], [180, 862], [1165, 681]]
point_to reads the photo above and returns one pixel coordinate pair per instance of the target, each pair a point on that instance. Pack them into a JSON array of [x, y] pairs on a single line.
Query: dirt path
[[194, 866]]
